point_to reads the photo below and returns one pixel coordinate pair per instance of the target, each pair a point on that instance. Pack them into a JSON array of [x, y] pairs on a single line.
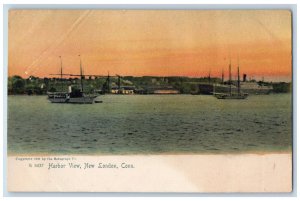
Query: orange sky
[[164, 43]]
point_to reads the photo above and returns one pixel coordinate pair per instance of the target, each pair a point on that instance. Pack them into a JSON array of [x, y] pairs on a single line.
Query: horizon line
[[161, 76]]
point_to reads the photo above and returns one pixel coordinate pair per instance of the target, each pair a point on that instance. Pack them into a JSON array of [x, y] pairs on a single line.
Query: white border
[[180, 4]]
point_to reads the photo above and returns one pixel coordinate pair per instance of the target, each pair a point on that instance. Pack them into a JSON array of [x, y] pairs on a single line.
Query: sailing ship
[[231, 95], [72, 96]]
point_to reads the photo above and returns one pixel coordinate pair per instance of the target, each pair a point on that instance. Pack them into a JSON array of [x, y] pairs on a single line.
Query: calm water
[[150, 124]]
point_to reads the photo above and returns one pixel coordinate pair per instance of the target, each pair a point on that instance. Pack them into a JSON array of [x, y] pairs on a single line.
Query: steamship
[[75, 96]]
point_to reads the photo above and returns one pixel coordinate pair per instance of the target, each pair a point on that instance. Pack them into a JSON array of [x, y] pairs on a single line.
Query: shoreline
[[162, 154], [273, 93], [250, 152]]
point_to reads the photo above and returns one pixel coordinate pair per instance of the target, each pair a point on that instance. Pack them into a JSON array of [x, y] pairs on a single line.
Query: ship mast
[[108, 83], [61, 74], [230, 77], [239, 83], [222, 76], [81, 75]]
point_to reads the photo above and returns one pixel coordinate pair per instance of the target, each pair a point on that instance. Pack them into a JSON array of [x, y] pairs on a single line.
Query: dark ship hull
[[231, 96]]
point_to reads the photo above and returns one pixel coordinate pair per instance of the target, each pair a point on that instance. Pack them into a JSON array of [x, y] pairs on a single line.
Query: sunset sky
[[154, 42]]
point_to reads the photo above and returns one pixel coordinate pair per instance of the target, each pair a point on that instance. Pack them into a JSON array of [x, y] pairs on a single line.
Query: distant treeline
[[185, 85], [282, 87]]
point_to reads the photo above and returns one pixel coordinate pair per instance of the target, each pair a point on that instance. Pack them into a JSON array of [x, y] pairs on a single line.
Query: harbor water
[[150, 124]]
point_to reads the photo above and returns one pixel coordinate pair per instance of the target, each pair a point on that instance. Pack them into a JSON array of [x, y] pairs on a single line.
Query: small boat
[[230, 96], [72, 96]]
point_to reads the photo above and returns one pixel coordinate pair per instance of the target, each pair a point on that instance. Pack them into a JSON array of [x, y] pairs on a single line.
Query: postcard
[[149, 101]]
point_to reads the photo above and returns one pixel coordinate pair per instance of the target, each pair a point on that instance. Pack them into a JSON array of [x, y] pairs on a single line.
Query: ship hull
[[231, 96], [249, 88], [65, 98], [80, 100]]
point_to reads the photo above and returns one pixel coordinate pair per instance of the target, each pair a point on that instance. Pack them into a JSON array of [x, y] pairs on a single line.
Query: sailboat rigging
[[231, 95], [72, 96]]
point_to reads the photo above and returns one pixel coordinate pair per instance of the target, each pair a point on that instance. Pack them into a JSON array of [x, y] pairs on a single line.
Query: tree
[[52, 89], [18, 85]]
